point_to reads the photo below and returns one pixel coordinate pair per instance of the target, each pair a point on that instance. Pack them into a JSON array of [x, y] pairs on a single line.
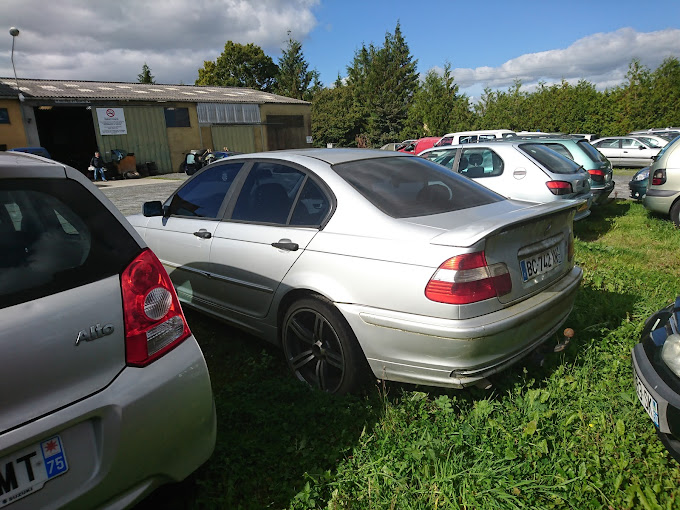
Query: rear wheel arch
[[319, 344]]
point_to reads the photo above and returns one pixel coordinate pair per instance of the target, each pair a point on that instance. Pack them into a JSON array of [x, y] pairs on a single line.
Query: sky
[[487, 44]]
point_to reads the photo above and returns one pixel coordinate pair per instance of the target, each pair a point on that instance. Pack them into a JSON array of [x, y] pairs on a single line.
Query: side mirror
[[154, 208], [642, 147]]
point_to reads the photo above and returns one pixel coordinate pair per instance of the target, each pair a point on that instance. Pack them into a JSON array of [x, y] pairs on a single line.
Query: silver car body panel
[[661, 197], [375, 268]]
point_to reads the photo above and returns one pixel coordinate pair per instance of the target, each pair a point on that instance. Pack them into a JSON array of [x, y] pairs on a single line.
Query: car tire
[[675, 213], [321, 349]]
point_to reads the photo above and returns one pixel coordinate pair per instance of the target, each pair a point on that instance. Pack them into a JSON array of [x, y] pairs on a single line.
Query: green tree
[[437, 108], [294, 79], [145, 76], [383, 81], [665, 94], [240, 66], [335, 118]]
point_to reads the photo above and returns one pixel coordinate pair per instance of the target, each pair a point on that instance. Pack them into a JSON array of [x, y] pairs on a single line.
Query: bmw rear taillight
[[467, 279], [596, 175], [659, 177], [559, 187], [154, 321]]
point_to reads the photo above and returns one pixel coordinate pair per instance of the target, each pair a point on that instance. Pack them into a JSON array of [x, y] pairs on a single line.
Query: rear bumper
[[150, 426], [660, 200], [458, 353], [600, 195]]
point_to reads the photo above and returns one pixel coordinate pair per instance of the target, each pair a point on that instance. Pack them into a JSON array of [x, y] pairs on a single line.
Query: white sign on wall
[[111, 121]]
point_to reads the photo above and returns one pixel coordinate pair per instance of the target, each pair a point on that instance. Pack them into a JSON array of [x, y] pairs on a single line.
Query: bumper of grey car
[[600, 195], [150, 426], [457, 353], [660, 200]]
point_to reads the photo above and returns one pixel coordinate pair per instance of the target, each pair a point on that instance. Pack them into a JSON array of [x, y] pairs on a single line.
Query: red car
[[420, 145]]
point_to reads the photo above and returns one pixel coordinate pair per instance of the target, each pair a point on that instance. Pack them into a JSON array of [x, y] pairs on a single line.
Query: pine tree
[[145, 76], [294, 79]]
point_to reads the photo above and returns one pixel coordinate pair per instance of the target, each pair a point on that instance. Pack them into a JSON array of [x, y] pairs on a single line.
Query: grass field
[[568, 434]]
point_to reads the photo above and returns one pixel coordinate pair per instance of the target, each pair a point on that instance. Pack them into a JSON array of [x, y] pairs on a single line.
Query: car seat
[[475, 169]]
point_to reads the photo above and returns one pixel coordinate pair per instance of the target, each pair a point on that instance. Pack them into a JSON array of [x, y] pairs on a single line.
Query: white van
[[484, 135]]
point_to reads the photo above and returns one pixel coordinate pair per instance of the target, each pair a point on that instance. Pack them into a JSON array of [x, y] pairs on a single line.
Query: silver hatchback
[[520, 170], [105, 393], [361, 262]]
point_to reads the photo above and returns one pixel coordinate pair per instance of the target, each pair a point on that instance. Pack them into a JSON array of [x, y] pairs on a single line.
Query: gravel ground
[[129, 195]]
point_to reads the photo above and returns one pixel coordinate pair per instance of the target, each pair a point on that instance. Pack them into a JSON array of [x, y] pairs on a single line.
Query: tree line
[[383, 99]]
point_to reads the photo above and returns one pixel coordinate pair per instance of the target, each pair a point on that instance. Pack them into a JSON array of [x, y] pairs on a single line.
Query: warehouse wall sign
[[111, 121]]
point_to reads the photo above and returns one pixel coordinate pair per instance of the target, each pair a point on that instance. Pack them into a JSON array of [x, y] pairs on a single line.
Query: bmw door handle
[[203, 234], [286, 244]]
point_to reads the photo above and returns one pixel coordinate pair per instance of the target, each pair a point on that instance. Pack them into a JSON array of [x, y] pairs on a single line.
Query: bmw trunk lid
[[534, 242]]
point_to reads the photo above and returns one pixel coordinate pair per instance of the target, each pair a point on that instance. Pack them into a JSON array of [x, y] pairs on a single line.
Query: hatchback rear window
[[595, 155], [55, 235], [407, 187], [551, 160]]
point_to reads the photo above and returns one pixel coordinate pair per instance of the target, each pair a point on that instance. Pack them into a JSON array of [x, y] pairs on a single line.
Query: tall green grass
[[567, 434]]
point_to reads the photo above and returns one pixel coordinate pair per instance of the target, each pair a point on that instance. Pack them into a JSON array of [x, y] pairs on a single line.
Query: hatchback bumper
[[150, 426], [660, 200], [457, 353], [600, 195]]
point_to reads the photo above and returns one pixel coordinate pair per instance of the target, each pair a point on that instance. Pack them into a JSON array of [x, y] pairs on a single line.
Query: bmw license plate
[[647, 400], [26, 471], [541, 263]]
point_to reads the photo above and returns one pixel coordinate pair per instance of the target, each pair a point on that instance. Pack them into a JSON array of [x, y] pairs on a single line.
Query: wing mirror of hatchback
[[154, 208]]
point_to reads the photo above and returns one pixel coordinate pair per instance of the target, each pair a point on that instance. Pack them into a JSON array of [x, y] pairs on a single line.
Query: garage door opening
[[67, 132]]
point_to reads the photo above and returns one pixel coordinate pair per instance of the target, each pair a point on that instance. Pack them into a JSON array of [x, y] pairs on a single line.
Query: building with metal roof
[[156, 123]]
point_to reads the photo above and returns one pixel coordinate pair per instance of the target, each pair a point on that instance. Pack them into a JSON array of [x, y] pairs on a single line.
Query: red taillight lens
[[559, 187], [659, 177], [596, 175], [467, 279], [154, 321]]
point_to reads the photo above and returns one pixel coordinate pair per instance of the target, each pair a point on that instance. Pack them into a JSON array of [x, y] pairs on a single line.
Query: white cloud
[[110, 40], [601, 59]]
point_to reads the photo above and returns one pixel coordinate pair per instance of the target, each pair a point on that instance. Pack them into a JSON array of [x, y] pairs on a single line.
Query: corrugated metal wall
[[236, 138], [146, 136]]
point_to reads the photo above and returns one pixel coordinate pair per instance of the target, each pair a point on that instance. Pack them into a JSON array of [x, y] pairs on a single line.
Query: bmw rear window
[[551, 160], [404, 187], [54, 236]]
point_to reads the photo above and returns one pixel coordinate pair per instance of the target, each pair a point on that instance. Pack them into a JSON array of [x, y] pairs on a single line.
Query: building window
[[4, 116], [177, 117]]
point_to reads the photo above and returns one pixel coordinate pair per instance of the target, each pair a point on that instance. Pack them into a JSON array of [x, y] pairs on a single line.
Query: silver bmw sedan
[[364, 263]]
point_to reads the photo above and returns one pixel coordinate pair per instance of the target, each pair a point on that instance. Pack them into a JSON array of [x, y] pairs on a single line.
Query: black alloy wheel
[[321, 349]]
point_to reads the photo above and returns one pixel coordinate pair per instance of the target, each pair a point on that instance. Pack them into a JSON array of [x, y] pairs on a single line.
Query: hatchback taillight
[[559, 187], [467, 279], [154, 321], [596, 175], [659, 177]]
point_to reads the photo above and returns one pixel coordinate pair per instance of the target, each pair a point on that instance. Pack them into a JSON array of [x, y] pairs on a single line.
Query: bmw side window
[[312, 206], [202, 196], [268, 193]]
